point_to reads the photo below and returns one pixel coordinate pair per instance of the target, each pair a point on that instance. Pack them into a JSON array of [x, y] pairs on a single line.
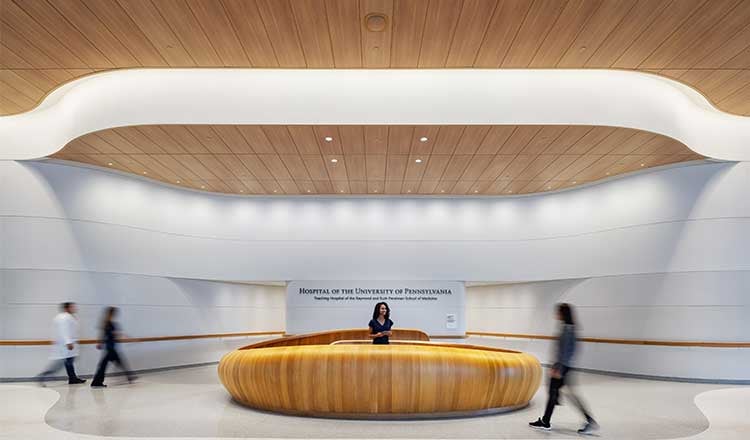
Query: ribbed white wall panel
[[671, 223], [149, 306], [692, 306]]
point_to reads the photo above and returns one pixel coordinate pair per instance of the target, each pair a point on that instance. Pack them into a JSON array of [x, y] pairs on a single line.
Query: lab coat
[[66, 332]]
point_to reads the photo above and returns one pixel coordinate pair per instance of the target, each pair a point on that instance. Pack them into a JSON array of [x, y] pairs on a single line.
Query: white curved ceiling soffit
[[457, 96]]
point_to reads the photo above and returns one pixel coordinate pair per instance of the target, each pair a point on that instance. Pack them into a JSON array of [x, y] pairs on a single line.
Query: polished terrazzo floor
[[190, 403]]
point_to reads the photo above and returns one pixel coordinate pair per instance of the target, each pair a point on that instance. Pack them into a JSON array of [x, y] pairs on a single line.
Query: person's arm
[[374, 335], [565, 350], [66, 332], [389, 332]]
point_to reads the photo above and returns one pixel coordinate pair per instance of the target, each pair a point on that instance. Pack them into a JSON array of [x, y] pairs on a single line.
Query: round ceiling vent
[[375, 22]]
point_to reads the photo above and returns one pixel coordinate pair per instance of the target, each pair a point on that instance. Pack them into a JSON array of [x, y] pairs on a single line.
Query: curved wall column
[[391, 96]]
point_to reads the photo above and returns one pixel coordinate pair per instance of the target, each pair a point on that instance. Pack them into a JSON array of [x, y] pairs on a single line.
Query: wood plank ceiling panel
[[482, 160], [703, 43]]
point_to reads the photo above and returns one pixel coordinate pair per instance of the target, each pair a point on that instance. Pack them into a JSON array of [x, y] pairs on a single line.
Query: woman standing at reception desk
[[380, 324]]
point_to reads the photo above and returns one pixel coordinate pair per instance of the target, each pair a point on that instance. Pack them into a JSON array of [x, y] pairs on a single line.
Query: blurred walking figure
[[65, 345], [566, 347], [109, 340]]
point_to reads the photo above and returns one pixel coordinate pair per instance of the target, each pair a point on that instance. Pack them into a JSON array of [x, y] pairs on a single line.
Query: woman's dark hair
[[109, 314], [376, 312], [566, 313]]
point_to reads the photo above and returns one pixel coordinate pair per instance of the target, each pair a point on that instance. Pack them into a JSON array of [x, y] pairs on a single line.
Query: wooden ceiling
[[704, 43], [451, 159]]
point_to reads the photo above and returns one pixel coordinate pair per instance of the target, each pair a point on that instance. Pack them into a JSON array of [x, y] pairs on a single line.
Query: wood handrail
[[621, 341], [29, 342], [146, 339]]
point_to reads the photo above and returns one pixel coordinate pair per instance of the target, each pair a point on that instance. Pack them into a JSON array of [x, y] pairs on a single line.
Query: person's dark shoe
[[76, 381], [589, 428], [539, 424], [98, 385], [132, 379]]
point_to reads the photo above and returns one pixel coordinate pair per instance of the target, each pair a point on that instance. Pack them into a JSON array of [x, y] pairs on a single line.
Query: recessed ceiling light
[[608, 174], [203, 187], [109, 163], [334, 160], [308, 190], [408, 190], [328, 138], [476, 190], [145, 172], [375, 191], [509, 191], [442, 190], [574, 182], [423, 139], [178, 181], [549, 187], [242, 190], [642, 164], [274, 190], [341, 190], [418, 161]]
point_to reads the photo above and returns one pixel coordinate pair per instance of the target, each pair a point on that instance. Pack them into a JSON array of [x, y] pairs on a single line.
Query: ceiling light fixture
[[308, 190], [109, 163], [145, 172], [274, 190], [642, 164], [328, 138], [375, 22], [418, 161], [334, 160], [203, 187], [476, 190], [178, 181], [423, 139]]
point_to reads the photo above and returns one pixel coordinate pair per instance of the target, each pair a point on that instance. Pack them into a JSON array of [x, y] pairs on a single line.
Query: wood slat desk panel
[[325, 338], [379, 381]]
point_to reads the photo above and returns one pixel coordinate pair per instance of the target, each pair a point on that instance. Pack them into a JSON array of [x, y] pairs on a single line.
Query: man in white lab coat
[[65, 344]]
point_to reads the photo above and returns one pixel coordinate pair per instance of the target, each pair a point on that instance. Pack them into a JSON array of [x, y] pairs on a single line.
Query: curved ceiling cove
[[375, 97]]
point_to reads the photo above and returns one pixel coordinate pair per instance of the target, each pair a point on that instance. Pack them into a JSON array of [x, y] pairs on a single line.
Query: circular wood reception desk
[[402, 380]]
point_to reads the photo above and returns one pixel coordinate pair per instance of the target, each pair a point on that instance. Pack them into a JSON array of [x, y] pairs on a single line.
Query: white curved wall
[[693, 218], [149, 306], [680, 219], [691, 306]]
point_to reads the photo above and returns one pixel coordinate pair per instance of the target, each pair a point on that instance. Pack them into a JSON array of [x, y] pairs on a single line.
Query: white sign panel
[[435, 307]]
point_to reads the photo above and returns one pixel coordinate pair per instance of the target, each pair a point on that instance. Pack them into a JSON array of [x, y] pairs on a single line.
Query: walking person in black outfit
[[110, 337], [566, 347]]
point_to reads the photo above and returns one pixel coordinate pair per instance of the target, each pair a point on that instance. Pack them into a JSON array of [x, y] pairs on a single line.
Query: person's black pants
[[110, 355], [555, 385], [56, 365]]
